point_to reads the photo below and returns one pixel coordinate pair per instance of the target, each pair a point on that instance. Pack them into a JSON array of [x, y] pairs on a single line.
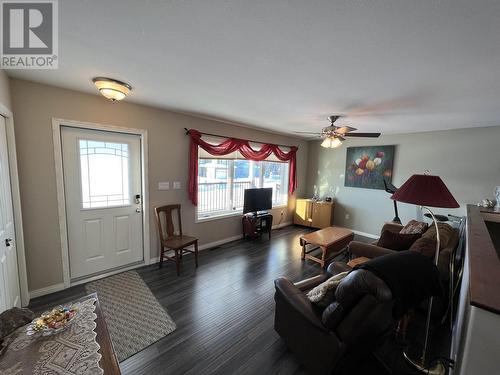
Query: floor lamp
[[426, 191], [391, 189]]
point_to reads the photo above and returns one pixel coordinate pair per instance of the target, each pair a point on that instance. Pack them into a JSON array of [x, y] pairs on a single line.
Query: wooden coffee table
[[331, 241]]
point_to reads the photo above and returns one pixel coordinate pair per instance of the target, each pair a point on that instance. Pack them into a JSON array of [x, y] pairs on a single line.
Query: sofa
[[372, 250], [336, 339]]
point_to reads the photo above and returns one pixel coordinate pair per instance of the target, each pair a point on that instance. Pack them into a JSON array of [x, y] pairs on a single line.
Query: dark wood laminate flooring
[[224, 310]]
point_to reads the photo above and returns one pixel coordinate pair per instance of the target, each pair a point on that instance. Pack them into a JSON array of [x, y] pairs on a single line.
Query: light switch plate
[[163, 185], [176, 185]]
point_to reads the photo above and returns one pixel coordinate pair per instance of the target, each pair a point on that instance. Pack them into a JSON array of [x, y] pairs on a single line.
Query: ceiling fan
[[334, 135]]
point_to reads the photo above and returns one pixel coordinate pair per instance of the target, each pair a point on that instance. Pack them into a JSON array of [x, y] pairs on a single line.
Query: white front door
[[102, 185], [9, 276]]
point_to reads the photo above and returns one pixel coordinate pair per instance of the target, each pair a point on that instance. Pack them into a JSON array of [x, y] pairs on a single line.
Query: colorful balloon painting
[[367, 166]]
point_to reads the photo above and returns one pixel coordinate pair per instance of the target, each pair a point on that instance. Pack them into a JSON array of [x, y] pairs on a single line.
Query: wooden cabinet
[[322, 214], [302, 212], [313, 214]]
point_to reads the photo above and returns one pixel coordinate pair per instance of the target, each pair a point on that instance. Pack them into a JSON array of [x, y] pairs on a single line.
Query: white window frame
[[202, 218]]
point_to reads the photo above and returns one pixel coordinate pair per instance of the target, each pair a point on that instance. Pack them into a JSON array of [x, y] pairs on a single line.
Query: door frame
[[16, 204], [57, 124]]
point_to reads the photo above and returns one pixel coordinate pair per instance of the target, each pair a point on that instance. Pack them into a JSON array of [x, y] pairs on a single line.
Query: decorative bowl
[[52, 322]]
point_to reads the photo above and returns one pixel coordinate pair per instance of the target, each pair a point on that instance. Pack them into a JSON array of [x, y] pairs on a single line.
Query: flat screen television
[[258, 200]]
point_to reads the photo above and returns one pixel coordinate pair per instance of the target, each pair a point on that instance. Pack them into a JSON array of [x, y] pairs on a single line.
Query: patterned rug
[[134, 316]]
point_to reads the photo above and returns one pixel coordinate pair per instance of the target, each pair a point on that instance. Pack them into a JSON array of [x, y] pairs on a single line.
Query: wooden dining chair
[[171, 241]]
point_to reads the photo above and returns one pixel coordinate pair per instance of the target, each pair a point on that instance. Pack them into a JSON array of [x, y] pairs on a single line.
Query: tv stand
[[257, 223]]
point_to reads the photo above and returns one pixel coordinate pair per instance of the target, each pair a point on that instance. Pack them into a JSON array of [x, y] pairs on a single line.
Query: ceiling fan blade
[[345, 129], [367, 135]]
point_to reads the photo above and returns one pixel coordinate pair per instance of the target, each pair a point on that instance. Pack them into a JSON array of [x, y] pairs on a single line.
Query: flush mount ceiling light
[[112, 89]]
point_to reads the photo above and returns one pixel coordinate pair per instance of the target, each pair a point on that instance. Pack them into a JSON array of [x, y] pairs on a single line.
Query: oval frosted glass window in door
[[104, 172]]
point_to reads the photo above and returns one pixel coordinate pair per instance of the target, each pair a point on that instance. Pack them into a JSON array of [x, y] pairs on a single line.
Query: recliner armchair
[[350, 328]]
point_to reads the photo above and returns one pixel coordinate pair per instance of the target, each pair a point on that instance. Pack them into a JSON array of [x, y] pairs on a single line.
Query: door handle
[[8, 242], [138, 210]]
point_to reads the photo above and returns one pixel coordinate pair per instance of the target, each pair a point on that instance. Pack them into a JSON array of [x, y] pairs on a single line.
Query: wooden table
[[108, 362], [332, 241], [72, 351]]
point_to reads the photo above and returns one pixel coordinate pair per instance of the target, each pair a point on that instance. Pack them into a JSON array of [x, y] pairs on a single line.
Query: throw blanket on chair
[[324, 293], [411, 276]]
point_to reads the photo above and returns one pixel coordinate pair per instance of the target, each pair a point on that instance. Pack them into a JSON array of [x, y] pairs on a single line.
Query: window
[[104, 171], [222, 184]]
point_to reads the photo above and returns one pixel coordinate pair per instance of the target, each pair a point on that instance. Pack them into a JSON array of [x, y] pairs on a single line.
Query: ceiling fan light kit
[[333, 135], [331, 142], [112, 89]]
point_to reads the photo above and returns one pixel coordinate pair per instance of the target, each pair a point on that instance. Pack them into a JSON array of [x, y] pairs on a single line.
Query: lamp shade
[[425, 190]]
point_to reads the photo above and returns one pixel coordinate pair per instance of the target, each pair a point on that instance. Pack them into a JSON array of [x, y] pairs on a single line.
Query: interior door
[[102, 185], [9, 276]]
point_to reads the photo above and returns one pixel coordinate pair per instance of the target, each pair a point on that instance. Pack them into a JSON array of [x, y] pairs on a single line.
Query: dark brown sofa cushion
[[397, 241], [446, 233], [425, 246]]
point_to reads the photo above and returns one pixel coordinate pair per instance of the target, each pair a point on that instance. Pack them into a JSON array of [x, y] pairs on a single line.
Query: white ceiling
[[394, 66]]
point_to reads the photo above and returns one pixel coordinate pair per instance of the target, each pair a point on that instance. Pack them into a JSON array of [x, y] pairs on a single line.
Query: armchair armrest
[[337, 267], [287, 294], [362, 249], [393, 227], [307, 284]]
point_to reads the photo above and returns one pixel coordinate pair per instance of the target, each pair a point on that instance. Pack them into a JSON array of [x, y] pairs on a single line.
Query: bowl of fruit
[[54, 321]]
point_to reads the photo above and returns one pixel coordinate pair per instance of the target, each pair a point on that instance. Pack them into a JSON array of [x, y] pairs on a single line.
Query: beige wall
[[467, 160], [35, 105], [4, 90]]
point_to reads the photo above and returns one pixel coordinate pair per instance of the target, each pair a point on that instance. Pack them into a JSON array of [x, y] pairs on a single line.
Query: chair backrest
[[168, 212], [353, 288]]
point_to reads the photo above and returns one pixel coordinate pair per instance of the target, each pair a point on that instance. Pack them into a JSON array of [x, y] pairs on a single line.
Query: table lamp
[[426, 191]]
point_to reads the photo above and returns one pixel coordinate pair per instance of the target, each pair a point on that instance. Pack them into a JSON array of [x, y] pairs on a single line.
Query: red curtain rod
[[241, 139]]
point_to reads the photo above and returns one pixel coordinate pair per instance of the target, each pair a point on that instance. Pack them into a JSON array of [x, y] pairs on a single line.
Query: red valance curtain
[[231, 145]]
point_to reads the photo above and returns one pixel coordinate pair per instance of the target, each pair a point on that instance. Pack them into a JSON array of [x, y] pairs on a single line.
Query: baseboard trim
[[364, 234], [47, 290], [206, 246], [224, 241], [58, 287], [282, 225]]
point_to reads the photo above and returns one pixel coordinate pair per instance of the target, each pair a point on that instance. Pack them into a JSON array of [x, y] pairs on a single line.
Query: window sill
[[217, 217], [230, 214]]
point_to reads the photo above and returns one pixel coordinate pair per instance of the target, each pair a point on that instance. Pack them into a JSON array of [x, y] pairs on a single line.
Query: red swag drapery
[[231, 145]]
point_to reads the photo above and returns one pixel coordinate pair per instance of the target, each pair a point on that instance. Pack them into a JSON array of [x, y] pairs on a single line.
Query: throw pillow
[[414, 227], [397, 241], [324, 294], [446, 233], [425, 246], [10, 320]]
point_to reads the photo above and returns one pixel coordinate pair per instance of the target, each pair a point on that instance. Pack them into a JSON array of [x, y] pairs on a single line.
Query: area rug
[[134, 316]]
